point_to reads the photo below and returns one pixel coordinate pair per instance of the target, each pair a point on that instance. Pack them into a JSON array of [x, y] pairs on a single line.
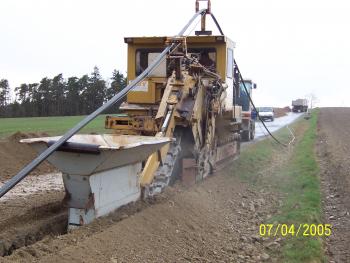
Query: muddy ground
[[334, 156]]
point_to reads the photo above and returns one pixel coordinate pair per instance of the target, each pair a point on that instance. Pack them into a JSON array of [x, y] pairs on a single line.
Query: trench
[[27, 229], [51, 220]]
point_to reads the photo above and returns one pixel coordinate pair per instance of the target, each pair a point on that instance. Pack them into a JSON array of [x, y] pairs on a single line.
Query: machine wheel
[[252, 135], [245, 136]]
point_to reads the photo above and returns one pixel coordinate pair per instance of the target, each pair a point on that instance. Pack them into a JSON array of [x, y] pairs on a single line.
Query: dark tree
[[4, 92], [4, 97], [118, 83], [72, 103], [57, 88], [46, 96], [59, 96], [96, 91]]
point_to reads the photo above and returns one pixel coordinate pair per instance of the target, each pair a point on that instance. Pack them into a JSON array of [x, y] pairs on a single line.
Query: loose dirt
[[333, 151], [33, 208], [15, 155], [216, 221], [280, 112]]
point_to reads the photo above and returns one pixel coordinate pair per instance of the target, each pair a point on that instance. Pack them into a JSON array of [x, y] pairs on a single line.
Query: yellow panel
[[143, 93], [148, 91], [152, 95]]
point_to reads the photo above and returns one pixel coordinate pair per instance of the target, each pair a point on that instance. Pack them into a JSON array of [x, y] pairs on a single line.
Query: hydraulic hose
[[250, 99], [245, 88]]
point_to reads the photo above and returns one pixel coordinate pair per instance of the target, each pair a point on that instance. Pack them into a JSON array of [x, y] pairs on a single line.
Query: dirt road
[[333, 151]]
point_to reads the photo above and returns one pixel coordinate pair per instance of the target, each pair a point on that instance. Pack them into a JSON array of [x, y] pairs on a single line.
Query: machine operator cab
[[213, 52], [243, 99]]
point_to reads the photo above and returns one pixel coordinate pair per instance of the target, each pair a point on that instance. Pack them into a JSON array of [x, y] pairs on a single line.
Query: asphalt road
[[275, 125]]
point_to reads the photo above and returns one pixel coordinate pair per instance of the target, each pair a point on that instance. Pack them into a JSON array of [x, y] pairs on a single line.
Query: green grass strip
[[50, 125], [299, 182], [296, 179]]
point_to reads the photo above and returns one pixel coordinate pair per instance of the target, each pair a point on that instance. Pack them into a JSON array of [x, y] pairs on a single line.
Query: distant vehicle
[[248, 115], [299, 105], [266, 113]]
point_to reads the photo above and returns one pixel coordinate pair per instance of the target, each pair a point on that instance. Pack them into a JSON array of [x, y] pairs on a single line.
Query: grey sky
[[289, 47]]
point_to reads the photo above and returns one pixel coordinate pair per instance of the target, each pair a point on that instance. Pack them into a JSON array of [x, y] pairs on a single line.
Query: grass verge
[[299, 182], [50, 125], [294, 176]]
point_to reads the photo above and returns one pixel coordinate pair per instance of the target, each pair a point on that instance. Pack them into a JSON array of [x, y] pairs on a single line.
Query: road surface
[[275, 125]]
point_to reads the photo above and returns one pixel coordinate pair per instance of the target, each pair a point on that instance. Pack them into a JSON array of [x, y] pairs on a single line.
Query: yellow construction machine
[[181, 120], [189, 97]]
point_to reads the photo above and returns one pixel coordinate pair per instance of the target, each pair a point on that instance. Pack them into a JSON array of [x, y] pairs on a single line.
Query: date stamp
[[312, 230]]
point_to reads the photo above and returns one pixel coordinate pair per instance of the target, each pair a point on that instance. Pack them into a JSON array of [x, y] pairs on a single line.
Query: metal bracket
[[208, 10], [203, 31]]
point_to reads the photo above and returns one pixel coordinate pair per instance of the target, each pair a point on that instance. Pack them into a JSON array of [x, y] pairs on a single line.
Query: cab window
[[205, 56], [145, 57]]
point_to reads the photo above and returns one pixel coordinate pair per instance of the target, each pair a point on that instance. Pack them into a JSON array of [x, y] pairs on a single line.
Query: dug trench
[[216, 220], [27, 218]]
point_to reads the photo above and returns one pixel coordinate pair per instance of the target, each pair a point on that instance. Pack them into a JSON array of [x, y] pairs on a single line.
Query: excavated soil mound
[[280, 112], [15, 155]]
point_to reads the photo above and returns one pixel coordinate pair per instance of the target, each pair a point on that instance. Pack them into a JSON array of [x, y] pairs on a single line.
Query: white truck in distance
[[266, 113]]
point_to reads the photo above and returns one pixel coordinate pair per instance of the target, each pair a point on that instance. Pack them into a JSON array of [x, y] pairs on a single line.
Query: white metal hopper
[[100, 172], [89, 153]]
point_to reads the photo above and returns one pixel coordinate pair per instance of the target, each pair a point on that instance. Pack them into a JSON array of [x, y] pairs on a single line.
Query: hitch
[[203, 31]]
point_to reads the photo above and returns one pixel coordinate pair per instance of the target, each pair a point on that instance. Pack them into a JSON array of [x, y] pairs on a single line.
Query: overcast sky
[[290, 48]]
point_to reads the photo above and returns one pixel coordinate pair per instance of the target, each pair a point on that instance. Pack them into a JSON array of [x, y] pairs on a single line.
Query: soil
[[15, 155], [215, 221], [280, 112], [333, 152], [32, 209]]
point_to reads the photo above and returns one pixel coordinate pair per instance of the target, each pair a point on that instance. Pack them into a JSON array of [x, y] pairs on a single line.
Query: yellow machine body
[[178, 97], [152, 94]]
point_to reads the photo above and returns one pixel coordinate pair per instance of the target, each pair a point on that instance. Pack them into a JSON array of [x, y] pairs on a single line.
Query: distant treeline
[[59, 96]]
